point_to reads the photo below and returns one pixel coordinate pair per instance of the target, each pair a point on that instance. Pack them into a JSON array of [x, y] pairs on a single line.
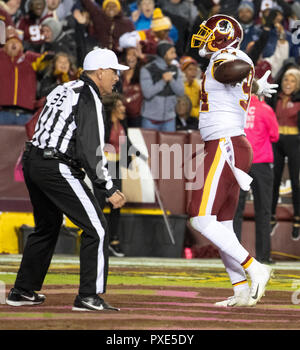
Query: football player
[[226, 90]]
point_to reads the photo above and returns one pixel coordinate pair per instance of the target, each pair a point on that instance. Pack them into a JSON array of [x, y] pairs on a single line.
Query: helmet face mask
[[217, 33], [204, 34]]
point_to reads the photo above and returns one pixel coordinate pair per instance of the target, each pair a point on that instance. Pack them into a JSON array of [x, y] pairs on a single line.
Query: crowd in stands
[[46, 41]]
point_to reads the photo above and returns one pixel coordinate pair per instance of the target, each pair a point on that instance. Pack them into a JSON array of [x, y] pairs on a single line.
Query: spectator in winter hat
[[109, 22], [56, 40], [111, 8], [246, 19], [161, 83], [51, 29], [160, 29]]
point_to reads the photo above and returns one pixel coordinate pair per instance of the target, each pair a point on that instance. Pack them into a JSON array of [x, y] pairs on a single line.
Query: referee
[[69, 137]]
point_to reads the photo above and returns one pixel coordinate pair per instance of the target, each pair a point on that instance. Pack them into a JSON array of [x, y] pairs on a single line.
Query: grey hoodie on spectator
[[160, 96]]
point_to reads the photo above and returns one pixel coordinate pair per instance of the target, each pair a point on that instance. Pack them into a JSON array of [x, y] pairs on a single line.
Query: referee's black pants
[[55, 189], [262, 186]]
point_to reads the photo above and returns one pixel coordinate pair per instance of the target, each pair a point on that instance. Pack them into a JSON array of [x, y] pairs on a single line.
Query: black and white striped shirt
[[72, 123], [56, 125]]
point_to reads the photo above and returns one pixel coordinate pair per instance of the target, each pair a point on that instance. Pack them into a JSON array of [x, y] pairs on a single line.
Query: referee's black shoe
[[17, 297], [91, 303]]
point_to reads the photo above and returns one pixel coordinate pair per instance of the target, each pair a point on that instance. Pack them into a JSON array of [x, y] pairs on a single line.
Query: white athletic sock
[[251, 265], [220, 236], [234, 269]]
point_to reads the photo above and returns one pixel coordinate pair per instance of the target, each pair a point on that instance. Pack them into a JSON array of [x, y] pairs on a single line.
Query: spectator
[[277, 29], [117, 151], [51, 7], [273, 46], [30, 24], [59, 9], [12, 7], [264, 8], [261, 130], [115, 137], [160, 30], [82, 26], [17, 73], [255, 48], [280, 39], [8, 26], [56, 39], [61, 70], [143, 19], [246, 19], [161, 83], [287, 108], [182, 8], [229, 7], [109, 22], [206, 9], [142, 14], [130, 79], [192, 88], [183, 110]]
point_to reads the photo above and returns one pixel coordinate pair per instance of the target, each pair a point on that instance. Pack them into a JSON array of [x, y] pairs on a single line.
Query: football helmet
[[217, 33]]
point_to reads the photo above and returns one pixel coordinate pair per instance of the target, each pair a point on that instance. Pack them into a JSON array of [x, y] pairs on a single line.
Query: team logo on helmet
[[225, 27]]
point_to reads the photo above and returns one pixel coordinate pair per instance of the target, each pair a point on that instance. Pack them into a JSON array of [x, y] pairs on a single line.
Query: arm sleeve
[[89, 146], [93, 9]]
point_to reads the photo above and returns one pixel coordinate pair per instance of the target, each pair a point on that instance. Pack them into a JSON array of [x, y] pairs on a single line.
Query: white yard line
[[150, 262]]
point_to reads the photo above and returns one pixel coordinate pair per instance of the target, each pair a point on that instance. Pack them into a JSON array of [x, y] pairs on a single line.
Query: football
[[232, 72]]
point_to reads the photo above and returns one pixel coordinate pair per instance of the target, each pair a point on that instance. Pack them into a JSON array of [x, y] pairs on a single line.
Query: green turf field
[[153, 271]]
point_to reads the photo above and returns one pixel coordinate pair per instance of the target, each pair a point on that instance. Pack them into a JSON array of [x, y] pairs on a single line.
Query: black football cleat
[[92, 303], [22, 298]]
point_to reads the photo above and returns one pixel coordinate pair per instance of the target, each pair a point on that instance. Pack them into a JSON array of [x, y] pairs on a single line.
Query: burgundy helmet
[[218, 32]]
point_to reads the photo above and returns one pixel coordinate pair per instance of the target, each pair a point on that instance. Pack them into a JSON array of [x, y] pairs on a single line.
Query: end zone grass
[[154, 293]]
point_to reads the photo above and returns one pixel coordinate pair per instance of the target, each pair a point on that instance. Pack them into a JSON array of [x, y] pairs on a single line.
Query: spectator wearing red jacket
[[30, 24], [9, 25], [6, 18], [19, 82], [109, 22], [261, 131]]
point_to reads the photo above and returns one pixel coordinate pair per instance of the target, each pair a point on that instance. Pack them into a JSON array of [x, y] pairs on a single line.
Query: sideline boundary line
[[150, 262]]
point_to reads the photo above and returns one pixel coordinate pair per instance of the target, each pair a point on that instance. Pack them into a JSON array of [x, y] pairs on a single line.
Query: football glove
[[264, 88]]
